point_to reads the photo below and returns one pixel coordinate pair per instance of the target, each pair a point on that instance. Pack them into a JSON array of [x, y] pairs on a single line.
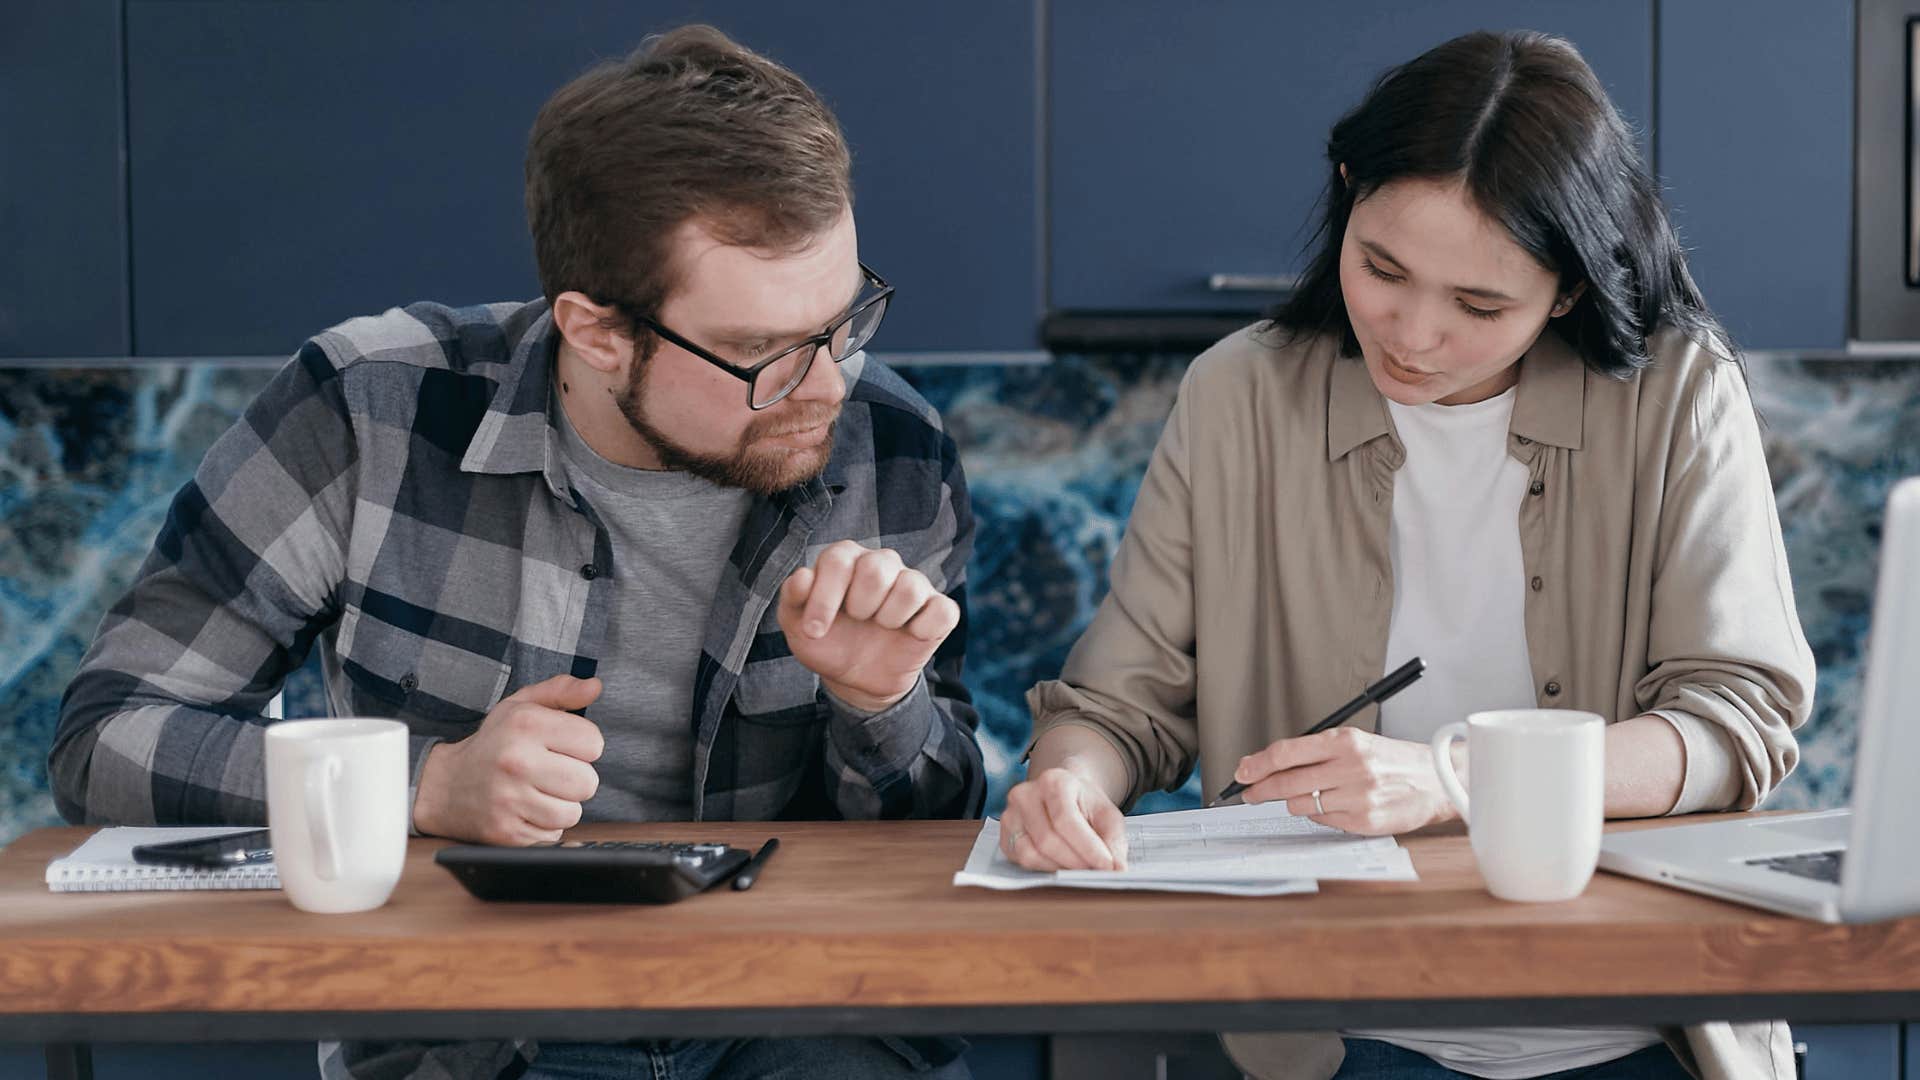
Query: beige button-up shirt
[[1252, 592]]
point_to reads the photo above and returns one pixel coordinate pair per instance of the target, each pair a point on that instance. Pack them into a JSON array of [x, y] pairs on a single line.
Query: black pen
[[1397, 680], [744, 879]]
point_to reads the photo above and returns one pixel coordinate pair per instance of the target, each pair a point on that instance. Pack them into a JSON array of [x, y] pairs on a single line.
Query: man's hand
[[521, 778], [864, 622], [1368, 784]]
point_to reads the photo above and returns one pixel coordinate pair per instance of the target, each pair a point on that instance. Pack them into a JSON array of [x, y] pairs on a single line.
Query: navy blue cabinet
[[1186, 142], [63, 241], [294, 164], [1850, 1051], [1756, 147], [207, 177]]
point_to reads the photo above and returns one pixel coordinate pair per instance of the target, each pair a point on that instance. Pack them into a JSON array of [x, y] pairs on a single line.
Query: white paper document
[[1259, 850]]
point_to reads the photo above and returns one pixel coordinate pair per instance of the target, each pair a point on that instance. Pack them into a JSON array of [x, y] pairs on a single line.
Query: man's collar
[[1549, 407], [834, 477], [515, 434], [812, 500]]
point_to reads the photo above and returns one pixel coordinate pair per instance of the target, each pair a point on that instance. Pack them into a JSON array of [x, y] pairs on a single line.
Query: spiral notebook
[[105, 864]]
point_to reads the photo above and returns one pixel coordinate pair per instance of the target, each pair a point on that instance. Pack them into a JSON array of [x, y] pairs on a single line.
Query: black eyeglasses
[[775, 377]]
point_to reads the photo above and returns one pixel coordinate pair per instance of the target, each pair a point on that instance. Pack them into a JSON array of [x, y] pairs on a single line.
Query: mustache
[[803, 417]]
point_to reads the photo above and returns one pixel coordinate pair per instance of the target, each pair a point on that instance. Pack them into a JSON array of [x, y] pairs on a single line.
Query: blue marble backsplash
[[89, 459]]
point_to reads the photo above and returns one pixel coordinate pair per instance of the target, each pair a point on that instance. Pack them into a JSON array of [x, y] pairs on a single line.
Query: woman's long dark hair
[[1521, 121]]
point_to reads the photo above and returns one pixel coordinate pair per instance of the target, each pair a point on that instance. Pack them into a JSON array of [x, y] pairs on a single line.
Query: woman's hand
[[1367, 784], [1060, 820]]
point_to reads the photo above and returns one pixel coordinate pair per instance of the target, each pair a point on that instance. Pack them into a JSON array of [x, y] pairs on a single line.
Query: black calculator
[[591, 871]]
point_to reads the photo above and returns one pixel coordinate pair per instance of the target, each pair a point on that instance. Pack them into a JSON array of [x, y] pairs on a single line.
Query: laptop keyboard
[[1819, 866]]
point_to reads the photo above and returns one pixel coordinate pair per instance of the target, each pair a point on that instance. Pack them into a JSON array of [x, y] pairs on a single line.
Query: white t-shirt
[[1459, 603]]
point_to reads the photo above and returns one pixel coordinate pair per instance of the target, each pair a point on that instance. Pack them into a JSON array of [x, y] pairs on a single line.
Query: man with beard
[[665, 545]]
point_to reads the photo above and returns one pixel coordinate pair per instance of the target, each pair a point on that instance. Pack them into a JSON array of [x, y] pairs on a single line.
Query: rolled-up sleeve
[[1132, 675], [1729, 664]]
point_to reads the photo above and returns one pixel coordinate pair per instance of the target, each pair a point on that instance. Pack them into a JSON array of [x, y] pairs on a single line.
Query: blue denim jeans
[[1371, 1059], [851, 1057]]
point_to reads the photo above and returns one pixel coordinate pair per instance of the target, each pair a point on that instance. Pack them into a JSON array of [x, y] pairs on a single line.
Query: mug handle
[[1443, 764], [322, 774]]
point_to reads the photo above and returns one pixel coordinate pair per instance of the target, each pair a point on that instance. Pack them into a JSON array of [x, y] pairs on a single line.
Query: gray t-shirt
[[671, 532]]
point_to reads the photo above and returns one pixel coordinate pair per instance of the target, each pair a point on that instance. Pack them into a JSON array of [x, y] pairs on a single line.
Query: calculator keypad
[[694, 855]]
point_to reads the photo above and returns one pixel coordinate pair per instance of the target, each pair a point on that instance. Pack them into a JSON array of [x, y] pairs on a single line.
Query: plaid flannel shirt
[[397, 495]]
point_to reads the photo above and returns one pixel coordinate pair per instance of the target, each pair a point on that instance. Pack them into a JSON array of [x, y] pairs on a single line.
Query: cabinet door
[[1756, 147], [295, 164], [63, 278], [1850, 1051], [1188, 141]]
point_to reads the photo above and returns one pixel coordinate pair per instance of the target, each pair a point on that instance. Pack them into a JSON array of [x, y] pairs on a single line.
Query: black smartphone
[[233, 849]]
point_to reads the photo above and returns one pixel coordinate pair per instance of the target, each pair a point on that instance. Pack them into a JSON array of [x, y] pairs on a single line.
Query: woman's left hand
[[1367, 784]]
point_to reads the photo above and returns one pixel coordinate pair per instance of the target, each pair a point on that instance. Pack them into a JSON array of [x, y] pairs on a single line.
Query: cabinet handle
[[1252, 282]]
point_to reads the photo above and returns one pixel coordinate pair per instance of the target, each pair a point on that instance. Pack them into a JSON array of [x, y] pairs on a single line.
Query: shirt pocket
[[419, 676], [779, 693], [778, 729]]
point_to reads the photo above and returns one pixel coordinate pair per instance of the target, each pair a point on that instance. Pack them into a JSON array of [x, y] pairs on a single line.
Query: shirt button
[[1536, 488], [589, 571], [1553, 689], [1536, 584], [408, 684]]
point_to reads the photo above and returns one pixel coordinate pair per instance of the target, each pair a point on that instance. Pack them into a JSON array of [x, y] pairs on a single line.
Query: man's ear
[[590, 331], [1565, 303]]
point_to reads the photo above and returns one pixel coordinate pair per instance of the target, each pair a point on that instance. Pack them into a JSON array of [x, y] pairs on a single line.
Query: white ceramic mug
[[1538, 779], [337, 806]]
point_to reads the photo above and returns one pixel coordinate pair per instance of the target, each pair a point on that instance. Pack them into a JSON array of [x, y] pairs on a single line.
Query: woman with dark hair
[[1496, 427]]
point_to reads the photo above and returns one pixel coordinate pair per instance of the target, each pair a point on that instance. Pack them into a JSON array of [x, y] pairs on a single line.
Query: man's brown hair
[[692, 125]]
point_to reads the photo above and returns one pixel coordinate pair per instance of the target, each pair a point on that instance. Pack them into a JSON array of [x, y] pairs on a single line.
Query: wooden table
[[856, 927]]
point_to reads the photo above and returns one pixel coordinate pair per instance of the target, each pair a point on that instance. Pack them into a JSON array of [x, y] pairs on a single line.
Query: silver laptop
[[1850, 865]]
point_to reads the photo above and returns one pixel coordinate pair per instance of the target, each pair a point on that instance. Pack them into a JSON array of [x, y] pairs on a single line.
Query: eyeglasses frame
[[816, 342]]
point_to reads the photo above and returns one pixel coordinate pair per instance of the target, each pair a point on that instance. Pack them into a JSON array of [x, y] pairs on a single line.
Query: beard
[[752, 466]]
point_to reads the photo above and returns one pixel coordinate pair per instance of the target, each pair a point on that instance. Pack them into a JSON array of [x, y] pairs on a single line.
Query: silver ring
[[1013, 839], [1317, 808]]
